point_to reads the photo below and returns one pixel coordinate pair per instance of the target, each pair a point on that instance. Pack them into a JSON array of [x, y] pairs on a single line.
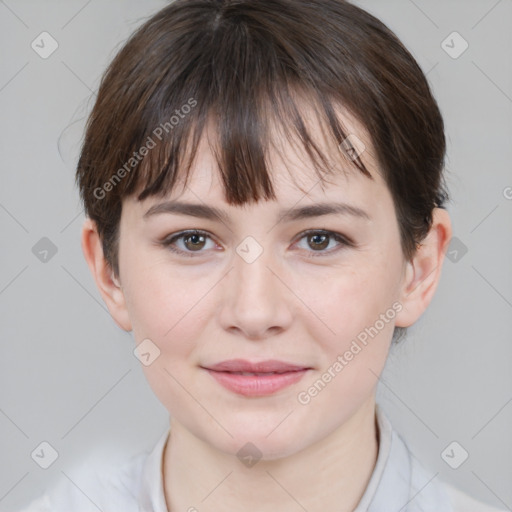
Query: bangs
[[244, 83], [245, 129]]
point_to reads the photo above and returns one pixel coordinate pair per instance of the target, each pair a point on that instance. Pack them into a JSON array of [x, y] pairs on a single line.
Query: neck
[[332, 474]]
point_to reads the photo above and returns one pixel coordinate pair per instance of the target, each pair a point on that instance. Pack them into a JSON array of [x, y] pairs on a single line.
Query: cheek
[[357, 299], [161, 299], [172, 311], [358, 307]]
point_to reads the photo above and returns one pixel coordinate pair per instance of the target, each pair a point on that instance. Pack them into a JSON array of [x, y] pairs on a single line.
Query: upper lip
[[270, 365]]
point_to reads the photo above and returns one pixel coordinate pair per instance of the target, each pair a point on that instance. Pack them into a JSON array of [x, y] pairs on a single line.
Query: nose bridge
[[256, 302], [251, 267]]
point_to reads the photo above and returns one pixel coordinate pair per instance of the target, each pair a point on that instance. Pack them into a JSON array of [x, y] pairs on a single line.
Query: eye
[[319, 240], [193, 241]]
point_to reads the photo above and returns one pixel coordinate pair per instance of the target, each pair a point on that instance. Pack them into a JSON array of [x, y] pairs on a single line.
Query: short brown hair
[[238, 62]]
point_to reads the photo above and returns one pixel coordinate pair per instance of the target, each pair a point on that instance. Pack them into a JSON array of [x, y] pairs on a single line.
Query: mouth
[[256, 379]]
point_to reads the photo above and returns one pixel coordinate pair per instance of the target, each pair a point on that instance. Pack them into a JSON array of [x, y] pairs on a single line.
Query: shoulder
[[94, 488], [40, 504], [431, 493], [462, 502]]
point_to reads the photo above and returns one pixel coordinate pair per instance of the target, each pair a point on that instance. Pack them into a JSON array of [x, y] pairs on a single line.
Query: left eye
[[194, 241], [321, 239]]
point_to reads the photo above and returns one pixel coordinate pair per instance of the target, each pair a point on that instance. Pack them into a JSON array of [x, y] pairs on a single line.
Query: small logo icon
[[44, 455], [353, 147], [249, 249], [146, 352], [44, 45], [456, 250], [454, 455], [249, 454], [44, 250], [454, 45]]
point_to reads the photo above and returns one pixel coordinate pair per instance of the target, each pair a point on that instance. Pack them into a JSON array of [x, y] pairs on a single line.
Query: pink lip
[[259, 384], [242, 365]]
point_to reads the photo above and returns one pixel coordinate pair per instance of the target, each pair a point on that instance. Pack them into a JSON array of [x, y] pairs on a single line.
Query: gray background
[[68, 373]]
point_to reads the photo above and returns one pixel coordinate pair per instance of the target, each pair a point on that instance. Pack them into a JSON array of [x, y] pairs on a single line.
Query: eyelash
[[342, 240]]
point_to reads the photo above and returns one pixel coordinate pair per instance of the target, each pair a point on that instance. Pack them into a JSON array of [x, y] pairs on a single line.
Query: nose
[[257, 303]]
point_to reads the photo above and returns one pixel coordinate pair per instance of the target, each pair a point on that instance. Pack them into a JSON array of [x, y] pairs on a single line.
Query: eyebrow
[[287, 215]]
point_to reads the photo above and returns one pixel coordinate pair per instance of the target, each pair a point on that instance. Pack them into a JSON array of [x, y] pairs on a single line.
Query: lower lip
[[256, 385]]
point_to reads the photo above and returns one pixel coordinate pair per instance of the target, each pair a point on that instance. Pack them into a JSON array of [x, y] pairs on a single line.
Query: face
[[260, 285]]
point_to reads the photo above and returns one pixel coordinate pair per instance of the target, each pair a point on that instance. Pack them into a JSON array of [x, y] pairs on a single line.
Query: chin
[[257, 442]]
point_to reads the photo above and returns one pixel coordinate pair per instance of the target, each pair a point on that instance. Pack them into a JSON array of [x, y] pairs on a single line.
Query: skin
[[285, 305]]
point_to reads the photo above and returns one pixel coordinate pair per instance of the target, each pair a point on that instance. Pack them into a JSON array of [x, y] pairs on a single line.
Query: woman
[[263, 184]]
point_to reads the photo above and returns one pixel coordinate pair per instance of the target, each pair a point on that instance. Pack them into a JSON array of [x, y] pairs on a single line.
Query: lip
[[270, 376], [242, 365]]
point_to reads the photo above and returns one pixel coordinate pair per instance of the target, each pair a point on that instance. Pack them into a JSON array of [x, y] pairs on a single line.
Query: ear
[[422, 274], [108, 285]]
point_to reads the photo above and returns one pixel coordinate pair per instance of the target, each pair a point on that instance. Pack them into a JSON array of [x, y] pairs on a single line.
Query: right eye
[[192, 241]]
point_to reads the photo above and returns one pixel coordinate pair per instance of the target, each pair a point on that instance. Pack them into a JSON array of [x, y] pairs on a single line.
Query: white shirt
[[398, 484]]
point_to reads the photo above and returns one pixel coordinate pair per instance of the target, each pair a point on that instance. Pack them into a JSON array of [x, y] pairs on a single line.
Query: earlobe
[[423, 272], [108, 285]]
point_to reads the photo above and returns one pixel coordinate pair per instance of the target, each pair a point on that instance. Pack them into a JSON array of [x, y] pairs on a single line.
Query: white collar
[[398, 481]]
